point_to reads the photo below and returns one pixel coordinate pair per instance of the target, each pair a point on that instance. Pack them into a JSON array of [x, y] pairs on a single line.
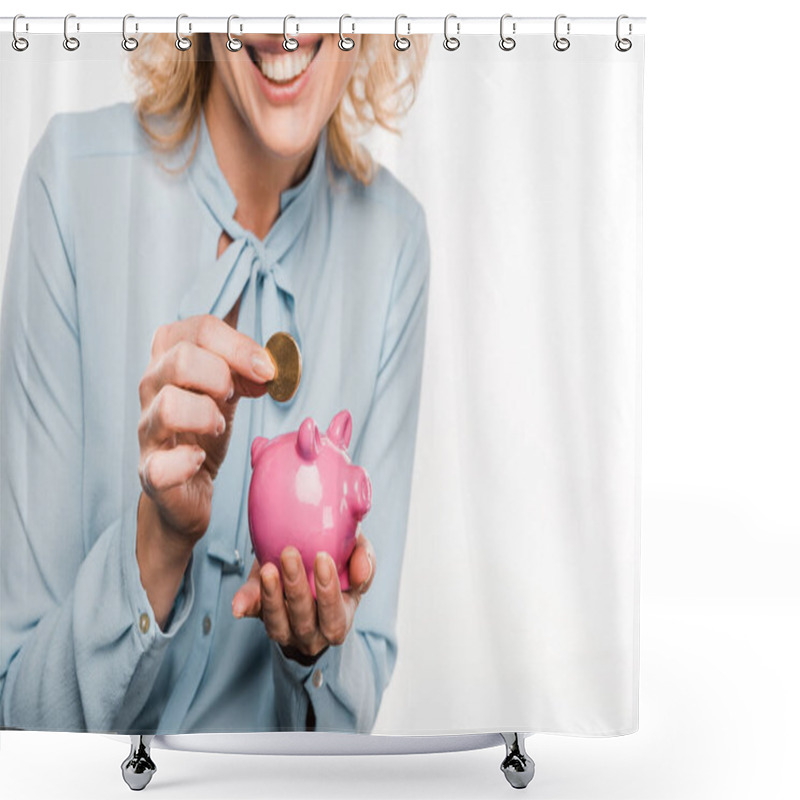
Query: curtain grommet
[[233, 44], [561, 43], [401, 43], [289, 44], [451, 43], [181, 42], [71, 43], [345, 42], [19, 43], [129, 43], [623, 44], [507, 43]]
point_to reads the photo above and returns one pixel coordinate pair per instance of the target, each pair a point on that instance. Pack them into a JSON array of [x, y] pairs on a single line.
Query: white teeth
[[285, 67]]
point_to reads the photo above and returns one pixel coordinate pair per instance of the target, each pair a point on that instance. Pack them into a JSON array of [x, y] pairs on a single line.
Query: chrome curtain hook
[[507, 42], [451, 43], [401, 43], [623, 45], [561, 43], [181, 42], [19, 43], [71, 43], [129, 43], [289, 44], [345, 42], [233, 44]]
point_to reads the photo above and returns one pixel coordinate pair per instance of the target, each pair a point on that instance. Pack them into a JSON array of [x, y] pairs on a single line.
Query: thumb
[[247, 600]]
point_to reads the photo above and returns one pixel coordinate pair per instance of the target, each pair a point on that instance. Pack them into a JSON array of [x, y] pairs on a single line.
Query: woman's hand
[[283, 600], [199, 368]]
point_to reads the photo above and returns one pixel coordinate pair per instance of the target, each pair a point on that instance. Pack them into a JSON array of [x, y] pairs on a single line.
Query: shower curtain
[[447, 243]]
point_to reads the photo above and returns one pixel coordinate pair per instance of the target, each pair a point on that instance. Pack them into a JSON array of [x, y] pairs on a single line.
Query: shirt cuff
[[297, 685], [338, 685], [291, 669]]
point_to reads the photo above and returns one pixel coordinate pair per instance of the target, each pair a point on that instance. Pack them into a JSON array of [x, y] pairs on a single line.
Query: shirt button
[[206, 625], [144, 623], [316, 678]]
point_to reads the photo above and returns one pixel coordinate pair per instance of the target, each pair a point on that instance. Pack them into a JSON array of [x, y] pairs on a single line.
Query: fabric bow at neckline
[[250, 266]]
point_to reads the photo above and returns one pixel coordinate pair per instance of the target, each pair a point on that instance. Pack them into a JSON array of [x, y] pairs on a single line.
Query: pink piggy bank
[[306, 492]]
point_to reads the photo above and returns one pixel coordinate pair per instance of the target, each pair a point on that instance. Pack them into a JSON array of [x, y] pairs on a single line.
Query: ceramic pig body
[[306, 492]]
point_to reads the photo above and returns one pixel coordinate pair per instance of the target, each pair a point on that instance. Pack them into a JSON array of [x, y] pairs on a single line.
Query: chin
[[289, 141]]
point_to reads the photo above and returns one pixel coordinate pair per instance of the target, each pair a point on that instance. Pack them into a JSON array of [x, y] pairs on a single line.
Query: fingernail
[[220, 425], [363, 587], [324, 571], [238, 609], [270, 584], [291, 568], [263, 366], [199, 459], [230, 394]]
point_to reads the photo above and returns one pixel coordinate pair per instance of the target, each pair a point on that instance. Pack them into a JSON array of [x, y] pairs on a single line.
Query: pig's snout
[[362, 493]]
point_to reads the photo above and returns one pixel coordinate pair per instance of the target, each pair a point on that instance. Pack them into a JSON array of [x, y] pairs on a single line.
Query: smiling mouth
[[282, 68]]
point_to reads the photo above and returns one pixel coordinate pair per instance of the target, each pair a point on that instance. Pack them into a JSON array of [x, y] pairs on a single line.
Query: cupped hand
[[199, 368], [282, 598]]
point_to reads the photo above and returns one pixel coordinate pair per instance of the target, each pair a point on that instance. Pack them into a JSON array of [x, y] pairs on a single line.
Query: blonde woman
[[156, 247]]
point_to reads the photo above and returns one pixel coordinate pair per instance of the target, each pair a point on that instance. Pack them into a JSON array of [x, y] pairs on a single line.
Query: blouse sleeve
[[79, 643], [347, 682]]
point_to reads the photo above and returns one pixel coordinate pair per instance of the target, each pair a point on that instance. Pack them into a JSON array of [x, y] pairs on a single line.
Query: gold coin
[[288, 366]]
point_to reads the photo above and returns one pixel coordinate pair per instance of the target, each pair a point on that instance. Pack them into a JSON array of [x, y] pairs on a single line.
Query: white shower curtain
[[518, 603], [527, 473]]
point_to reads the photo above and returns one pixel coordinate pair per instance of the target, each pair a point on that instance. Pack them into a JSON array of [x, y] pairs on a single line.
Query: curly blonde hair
[[172, 87]]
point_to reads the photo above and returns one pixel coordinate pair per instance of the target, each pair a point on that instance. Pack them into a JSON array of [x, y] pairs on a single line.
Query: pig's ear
[[308, 440], [257, 448], [340, 429]]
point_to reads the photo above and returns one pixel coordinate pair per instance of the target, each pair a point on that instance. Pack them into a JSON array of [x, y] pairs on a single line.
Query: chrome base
[[138, 768], [517, 766]]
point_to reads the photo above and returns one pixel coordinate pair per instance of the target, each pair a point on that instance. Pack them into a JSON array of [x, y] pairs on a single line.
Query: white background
[[524, 490], [720, 519]]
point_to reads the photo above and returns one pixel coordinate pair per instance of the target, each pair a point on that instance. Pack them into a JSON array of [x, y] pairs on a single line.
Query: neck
[[256, 176]]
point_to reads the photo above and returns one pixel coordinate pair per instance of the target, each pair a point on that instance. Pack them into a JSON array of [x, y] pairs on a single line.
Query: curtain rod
[[459, 26]]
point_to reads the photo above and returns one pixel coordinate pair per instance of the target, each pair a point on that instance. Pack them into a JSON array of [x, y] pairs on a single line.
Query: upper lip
[[273, 43]]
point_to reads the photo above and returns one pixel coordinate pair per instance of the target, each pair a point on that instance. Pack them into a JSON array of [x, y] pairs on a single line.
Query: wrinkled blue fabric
[[111, 240]]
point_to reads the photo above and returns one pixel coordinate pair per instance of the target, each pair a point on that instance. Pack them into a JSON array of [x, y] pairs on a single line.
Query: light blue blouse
[[107, 245]]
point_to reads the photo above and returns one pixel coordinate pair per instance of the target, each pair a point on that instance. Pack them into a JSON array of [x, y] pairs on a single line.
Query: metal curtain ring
[[345, 42], [233, 44], [623, 45], [561, 43], [289, 44], [401, 43], [451, 42], [19, 43], [507, 42], [129, 43], [181, 42], [70, 42]]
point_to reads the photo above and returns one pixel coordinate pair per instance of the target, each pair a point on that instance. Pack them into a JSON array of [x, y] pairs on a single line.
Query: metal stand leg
[[138, 768], [517, 766]]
